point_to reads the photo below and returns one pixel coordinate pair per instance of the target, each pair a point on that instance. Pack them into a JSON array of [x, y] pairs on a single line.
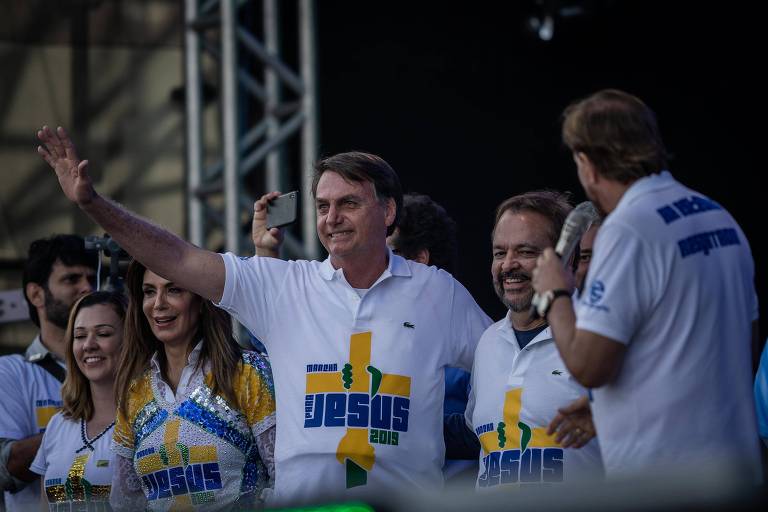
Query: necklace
[[89, 443]]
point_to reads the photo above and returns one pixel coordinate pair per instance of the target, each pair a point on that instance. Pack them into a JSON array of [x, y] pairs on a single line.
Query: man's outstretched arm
[[161, 251]]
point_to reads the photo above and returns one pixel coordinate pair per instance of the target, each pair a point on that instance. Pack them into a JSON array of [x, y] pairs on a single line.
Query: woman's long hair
[[76, 390], [139, 343]]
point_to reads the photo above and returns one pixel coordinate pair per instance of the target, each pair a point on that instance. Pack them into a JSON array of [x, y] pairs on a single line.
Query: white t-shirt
[[31, 396], [359, 381], [76, 476], [511, 387], [672, 278]]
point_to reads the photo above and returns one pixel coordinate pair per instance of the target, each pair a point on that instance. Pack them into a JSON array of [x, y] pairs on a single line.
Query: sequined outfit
[[77, 474], [195, 450]]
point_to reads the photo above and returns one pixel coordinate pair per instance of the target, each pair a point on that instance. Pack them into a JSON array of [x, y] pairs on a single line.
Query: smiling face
[[351, 221], [171, 311], [518, 240], [97, 336]]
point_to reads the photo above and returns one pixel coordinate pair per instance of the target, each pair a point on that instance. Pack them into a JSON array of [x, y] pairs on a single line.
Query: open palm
[[59, 152]]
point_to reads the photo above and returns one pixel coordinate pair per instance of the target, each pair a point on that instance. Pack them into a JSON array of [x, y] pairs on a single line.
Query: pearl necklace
[[89, 443]]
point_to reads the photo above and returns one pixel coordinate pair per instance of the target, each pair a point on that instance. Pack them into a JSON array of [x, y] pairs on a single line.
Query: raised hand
[[266, 241], [57, 149]]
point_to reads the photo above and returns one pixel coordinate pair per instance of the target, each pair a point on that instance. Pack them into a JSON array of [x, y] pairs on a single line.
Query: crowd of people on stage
[[375, 371]]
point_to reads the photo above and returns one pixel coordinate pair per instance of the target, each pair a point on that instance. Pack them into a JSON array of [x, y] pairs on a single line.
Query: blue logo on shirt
[[596, 291], [595, 295], [686, 206], [706, 242]]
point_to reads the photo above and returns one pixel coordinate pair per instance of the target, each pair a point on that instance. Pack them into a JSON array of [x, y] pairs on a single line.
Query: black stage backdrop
[[464, 101]]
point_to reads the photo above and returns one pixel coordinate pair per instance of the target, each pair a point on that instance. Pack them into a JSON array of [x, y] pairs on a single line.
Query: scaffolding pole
[[218, 204], [309, 143], [194, 106]]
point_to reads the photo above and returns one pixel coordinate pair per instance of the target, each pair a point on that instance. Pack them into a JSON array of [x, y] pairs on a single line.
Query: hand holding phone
[[266, 242], [282, 210]]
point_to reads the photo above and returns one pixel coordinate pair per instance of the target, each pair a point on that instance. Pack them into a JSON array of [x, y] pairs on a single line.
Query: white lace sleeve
[[266, 443], [126, 494]]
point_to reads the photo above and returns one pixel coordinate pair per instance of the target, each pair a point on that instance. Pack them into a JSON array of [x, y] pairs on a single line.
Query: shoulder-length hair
[[139, 344], [76, 390]]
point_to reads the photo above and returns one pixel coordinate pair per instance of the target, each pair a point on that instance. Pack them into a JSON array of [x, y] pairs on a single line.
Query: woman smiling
[[74, 457], [195, 423]]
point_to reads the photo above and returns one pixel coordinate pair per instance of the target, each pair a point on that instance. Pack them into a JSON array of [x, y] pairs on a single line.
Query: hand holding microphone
[[574, 227]]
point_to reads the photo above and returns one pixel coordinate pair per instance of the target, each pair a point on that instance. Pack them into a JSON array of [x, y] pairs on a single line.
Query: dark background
[[464, 101]]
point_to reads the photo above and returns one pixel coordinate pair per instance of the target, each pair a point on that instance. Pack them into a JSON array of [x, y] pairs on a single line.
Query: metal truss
[[251, 71]]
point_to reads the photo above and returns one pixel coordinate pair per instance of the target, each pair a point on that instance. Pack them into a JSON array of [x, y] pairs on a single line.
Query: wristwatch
[[548, 298]]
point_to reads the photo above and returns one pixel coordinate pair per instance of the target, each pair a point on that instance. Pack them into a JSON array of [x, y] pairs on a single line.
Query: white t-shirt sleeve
[[468, 322], [40, 464], [619, 288], [250, 287], [14, 411]]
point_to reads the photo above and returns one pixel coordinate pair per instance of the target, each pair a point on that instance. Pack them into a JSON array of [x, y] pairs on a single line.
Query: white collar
[[645, 185], [192, 358], [396, 266], [36, 351], [507, 332]]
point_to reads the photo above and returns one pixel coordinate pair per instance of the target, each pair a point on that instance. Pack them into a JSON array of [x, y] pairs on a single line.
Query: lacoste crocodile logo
[[409, 325], [556, 372]]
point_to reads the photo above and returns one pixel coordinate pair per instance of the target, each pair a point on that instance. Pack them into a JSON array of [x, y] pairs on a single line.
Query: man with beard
[[518, 379], [663, 329], [58, 271], [358, 342]]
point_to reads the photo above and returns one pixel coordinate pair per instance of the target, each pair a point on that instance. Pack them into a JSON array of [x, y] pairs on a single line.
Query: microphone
[[576, 224]]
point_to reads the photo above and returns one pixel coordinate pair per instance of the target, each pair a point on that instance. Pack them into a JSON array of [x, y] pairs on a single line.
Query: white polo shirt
[[672, 278], [359, 381], [515, 394], [31, 397]]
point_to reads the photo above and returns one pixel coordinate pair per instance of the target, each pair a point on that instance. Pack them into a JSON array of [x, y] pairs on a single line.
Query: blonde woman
[[195, 424], [74, 456]]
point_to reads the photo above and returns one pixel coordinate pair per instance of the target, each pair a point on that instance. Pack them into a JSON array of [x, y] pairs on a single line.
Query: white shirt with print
[[515, 394], [31, 397], [672, 278], [359, 380]]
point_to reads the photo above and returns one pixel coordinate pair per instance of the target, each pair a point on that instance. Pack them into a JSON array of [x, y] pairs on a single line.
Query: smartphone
[[282, 210]]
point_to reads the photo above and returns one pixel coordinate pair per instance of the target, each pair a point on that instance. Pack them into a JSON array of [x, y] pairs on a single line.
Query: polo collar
[[397, 266], [645, 185], [507, 332], [192, 358], [37, 351]]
